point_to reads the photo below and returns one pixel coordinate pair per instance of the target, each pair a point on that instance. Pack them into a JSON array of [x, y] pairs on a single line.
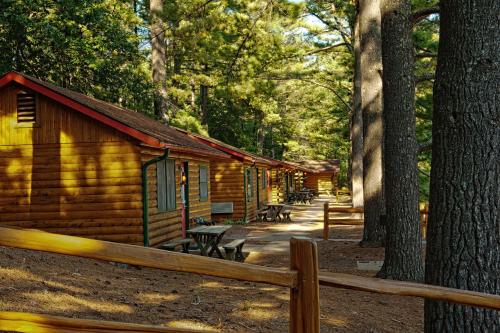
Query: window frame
[[169, 191], [203, 167]]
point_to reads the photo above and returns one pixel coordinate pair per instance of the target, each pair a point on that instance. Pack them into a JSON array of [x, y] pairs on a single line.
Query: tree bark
[[357, 126], [403, 251], [158, 59], [373, 128], [463, 243], [204, 104]]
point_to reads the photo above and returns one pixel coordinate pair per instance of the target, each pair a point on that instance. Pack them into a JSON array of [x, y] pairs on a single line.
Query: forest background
[[273, 77]]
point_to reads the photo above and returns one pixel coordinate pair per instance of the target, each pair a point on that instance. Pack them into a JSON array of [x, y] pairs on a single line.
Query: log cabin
[[323, 178], [75, 165], [287, 177], [239, 186]]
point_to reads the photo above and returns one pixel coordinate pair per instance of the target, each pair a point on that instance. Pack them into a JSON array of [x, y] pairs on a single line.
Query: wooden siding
[[278, 185], [252, 202], [66, 174], [263, 191], [227, 185], [323, 183], [164, 226]]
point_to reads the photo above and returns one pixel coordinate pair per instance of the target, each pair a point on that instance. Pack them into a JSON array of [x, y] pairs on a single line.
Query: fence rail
[[35, 323], [303, 280], [424, 216], [391, 287], [142, 256]]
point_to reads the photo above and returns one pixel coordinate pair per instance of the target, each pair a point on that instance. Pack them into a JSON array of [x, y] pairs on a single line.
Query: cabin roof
[[321, 165], [298, 166], [231, 150], [132, 123]]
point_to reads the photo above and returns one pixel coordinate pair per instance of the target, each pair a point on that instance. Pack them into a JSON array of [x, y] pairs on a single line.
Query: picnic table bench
[[208, 238], [234, 250], [171, 245], [262, 214], [286, 214]]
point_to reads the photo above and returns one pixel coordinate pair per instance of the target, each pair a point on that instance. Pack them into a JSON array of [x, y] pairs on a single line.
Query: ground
[[82, 288]]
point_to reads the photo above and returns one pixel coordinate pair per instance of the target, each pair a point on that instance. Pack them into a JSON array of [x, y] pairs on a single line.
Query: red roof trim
[[9, 77], [224, 149]]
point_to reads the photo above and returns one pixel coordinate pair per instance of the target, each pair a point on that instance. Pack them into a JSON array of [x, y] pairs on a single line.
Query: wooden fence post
[[304, 300], [326, 221]]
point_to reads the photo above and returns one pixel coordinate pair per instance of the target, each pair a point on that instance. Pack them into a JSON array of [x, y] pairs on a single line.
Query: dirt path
[[81, 288]]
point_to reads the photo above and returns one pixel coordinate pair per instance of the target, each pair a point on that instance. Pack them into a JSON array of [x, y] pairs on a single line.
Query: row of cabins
[[75, 165]]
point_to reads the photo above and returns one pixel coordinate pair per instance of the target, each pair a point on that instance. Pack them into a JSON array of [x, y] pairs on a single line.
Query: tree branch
[[424, 77], [421, 14], [426, 55], [425, 146], [327, 48]]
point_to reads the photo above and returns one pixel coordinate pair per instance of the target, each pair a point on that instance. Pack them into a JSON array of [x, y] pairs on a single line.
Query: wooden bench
[[234, 250], [170, 246], [262, 214], [286, 214]]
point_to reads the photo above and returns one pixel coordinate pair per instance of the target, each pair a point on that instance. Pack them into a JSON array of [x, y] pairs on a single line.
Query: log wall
[[323, 183], [67, 174], [164, 226], [227, 185]]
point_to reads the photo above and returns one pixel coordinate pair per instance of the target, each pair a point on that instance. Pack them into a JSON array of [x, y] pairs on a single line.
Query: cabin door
[[185, 197]]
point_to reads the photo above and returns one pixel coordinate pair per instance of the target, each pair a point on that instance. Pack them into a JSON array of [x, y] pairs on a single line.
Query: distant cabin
[[75, 165], [285, 179], [324, 176], [239, 186]]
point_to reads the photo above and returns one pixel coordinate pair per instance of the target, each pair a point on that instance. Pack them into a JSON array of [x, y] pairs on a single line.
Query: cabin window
[[264, 178], [203, 183], [249, 181], [26, 107], [165, 173]]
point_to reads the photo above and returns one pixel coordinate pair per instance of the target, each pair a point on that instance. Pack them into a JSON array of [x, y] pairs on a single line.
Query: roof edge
[[64, 100]]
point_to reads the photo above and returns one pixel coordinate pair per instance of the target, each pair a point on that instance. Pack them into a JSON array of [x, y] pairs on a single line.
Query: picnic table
[[274, 211], [208, 238]]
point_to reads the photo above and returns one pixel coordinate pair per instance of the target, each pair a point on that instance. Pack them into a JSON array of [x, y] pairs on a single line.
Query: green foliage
[[275, 84], [89, 46]]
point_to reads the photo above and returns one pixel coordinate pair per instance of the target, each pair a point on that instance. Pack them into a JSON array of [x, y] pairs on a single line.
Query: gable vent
[[26, 107]]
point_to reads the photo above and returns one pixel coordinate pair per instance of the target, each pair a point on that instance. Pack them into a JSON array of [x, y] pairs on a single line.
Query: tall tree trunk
[[463, 243], [403, 249], [373, 127], [261, 136], [357, 126], [204, 104], [158, 59]]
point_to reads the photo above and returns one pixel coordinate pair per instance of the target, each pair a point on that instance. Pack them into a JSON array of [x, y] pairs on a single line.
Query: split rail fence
[[327, 222], [302, 278]]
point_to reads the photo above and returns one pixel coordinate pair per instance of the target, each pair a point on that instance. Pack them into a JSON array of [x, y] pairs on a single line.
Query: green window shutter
[[203, 183], [161, 186], [170, 172]]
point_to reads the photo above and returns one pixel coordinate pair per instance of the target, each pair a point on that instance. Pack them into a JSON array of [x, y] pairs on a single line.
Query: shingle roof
[[231, 150], [321, 165], [167, 136]]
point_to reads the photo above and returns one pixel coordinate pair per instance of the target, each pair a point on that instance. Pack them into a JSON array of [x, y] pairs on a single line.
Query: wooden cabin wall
[[262, 189], [323, 183], [164, 226], [252, 202], [227, 185], [278, 185], [68, 174]]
